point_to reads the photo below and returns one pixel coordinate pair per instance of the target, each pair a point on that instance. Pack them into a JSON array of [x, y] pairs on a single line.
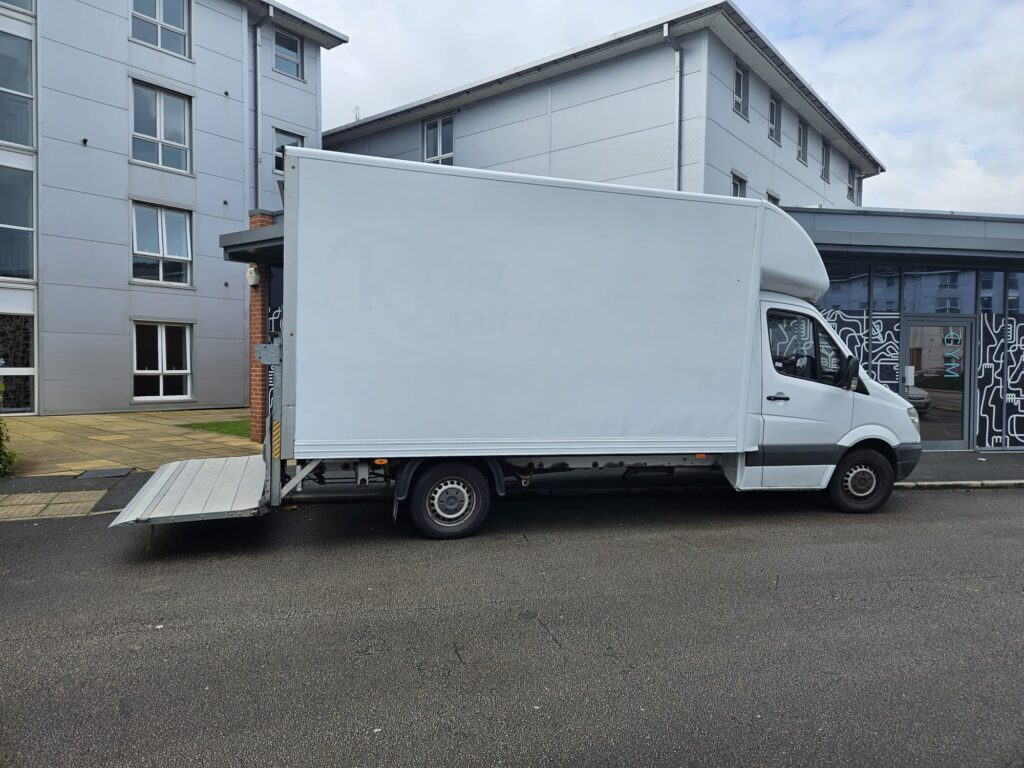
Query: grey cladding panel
[[396, 141], [107, 32], [499, 111], [627, 155], [89, 75], [534, 166], [503, 144], [79, 215], [620, 74], [634, 110]]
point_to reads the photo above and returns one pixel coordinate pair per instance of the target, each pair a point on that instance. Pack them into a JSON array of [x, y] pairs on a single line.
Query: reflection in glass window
[[15, 89], [938, 290], [160, 127], [990, 292], [439, 140], [848, 287], [1013, 282], [16, 223], [287, 54], [885, 288], [162, 361]]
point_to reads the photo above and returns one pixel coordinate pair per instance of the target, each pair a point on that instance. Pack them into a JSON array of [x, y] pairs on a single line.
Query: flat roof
[[309, 28], [720, 16], [909, 232]]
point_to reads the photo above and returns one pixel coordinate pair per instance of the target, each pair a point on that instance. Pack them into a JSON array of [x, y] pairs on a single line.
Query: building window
[[287, 54], [439, 140], [163, 23], [939, 289], [826, 161], [160, 127], [163, 365], [774, 199], [802, 130], [15, 89], [16, 223], [25, 5], [161, 244], [284, 139], [740, 89], [17, 363], [885, 288], [739, 186], [775, 119], [851, 183]]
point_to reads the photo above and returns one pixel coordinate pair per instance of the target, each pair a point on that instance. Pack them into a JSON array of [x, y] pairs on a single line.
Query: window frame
[[31, 228], [159, 139], [162, 362], [826, 161], [440, 157], [739, 185], [298, 60], [741, 100], [851, 183], [300, 143], [25, 372], [18, 8], [774, 199], [802, 133], [162, 237], [30, 95], [775, 118], [185, 31], [818, 328]]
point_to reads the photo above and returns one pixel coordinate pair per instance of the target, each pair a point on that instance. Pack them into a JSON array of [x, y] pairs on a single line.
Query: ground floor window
[[17, 363], [163, 361], [893, 317]]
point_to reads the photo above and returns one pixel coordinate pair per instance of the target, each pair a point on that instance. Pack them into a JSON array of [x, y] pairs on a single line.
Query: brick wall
[[258, 335]]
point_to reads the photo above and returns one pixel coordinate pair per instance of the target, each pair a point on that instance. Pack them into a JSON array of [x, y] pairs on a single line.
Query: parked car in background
[[920, 399]]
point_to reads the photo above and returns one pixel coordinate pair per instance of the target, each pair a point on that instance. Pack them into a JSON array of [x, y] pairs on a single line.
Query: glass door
[[937, 362]]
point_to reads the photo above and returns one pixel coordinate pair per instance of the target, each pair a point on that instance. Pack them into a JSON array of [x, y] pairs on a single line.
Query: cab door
[[806, 411]]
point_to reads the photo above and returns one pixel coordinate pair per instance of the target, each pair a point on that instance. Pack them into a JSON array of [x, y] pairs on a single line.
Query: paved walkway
[[69, 445]]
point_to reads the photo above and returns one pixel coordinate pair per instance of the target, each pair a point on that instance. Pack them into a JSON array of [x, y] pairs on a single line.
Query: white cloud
[[934, 88]]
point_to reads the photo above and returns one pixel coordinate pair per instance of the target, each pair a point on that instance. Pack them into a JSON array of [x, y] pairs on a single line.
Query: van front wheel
[[450, 500], [862, 482]]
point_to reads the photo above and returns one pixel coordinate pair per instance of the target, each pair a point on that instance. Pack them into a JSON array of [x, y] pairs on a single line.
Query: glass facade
[[876, 308]]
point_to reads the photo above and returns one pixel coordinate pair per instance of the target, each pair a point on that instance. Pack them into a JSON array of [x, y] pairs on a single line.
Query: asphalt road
[[700, 628]]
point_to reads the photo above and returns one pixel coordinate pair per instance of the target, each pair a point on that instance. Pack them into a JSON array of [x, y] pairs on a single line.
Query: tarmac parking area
[[662, 628]]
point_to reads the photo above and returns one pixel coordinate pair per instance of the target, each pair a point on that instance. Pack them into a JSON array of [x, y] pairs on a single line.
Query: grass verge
[[237, 428]]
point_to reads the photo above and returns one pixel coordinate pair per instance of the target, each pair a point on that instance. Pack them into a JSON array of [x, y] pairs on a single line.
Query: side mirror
[[849, 378]]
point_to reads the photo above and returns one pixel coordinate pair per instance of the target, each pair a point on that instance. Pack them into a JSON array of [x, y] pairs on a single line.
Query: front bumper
[[907, 456]]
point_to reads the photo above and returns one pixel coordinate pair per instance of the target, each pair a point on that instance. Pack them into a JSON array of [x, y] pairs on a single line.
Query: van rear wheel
[[862, 482], [450, 500]]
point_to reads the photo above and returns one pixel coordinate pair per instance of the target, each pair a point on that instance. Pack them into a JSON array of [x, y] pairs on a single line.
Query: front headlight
[[914, 418]]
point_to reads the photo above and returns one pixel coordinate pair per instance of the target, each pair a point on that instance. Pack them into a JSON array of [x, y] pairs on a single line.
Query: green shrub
[[7, 456]]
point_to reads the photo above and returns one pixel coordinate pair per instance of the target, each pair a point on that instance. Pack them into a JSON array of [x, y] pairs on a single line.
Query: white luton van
[[451, 331]]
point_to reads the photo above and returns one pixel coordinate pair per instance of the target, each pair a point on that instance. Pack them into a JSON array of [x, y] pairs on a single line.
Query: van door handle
[[778, 396]]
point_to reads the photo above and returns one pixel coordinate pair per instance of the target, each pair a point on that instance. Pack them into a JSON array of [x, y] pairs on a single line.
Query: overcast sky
[[934, 88]]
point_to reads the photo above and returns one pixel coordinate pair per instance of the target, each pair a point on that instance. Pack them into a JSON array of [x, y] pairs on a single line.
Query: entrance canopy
[[263, 245]]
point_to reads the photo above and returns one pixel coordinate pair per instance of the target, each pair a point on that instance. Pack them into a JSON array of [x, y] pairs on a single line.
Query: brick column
[[258, 300]]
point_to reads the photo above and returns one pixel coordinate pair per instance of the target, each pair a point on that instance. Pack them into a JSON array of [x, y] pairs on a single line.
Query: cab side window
[[801, 348]]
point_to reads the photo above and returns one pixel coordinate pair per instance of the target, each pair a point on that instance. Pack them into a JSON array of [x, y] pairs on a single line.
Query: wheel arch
[[489, 465], [879, 446]]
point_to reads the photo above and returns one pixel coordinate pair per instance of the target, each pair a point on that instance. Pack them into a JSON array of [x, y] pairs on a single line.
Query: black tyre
[[862, 482], [449, 501]]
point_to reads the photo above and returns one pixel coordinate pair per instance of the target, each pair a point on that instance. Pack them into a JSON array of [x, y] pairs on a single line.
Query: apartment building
[[698, 101], [132, 134]]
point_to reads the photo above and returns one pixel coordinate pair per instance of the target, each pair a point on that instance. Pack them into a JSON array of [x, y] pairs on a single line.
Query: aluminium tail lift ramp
[[210, 489]]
